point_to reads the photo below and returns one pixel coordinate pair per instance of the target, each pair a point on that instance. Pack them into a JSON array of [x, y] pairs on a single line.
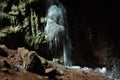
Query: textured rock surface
[[22, 64]]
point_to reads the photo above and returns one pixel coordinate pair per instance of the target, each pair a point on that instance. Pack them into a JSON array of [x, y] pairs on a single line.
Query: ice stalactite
[[56, 32]]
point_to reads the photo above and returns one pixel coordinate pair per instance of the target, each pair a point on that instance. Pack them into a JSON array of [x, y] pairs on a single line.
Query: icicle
[[56, 33], [67, 48]]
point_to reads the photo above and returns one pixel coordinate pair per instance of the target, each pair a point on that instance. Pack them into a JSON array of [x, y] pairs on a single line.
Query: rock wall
[[93, 27], [22, 24]]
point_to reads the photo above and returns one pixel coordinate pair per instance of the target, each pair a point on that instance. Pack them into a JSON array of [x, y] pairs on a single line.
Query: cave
[[92, 28]]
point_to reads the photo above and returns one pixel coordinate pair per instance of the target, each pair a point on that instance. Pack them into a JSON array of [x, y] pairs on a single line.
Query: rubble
[[22, 64]]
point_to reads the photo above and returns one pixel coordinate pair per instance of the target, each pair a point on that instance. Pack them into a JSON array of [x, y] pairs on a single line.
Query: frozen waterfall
[[56, 32]]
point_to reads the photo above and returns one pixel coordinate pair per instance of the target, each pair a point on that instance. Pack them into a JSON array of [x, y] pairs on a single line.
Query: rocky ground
[[22, 64]]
